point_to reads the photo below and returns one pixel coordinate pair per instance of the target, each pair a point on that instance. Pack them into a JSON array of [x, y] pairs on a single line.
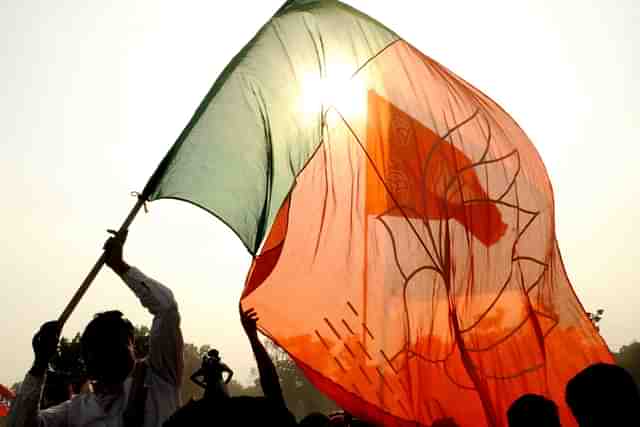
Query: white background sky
[[94, 93]]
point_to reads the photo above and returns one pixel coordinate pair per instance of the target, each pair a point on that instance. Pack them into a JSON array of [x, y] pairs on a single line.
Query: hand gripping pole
[[98, 265]]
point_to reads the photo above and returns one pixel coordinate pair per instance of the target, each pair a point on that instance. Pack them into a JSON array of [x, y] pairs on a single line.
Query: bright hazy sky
[[94, 93]]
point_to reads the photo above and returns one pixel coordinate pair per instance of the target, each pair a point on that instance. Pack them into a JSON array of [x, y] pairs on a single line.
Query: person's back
[[259, 410], [532, 410], [315, 419], [232, 411], [604, 395]]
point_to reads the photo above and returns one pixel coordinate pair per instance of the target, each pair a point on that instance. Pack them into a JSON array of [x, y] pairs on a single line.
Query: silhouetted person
[[604, 395], [315, 419], [209, 376], [270, 409], [218, 409], [126, 392], [533, 410]]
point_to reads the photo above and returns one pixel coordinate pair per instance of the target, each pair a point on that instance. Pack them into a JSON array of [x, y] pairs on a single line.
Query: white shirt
[[163, 377]]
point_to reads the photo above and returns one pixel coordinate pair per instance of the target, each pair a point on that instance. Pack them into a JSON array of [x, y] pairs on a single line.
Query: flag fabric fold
[[241, 152]]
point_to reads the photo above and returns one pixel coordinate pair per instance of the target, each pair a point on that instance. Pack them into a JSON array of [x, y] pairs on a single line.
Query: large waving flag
[[401, 223]]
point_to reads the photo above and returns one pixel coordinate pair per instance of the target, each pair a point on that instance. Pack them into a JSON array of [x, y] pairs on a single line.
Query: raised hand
[[113, 251], [249, 320], [45, 345]]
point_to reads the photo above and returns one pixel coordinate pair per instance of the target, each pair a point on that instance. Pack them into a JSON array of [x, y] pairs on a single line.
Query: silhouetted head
[[339, 419], [532, 410], [108, 347], [445, 422], [604, 395], [342, 418], [315, 419]]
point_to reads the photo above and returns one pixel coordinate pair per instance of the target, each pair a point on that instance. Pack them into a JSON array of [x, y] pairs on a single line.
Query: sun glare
[[337, 89]]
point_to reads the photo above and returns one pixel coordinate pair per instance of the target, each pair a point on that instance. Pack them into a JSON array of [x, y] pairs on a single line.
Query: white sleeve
[[55, 416], [165, 342], [24, 411], [153, 295]]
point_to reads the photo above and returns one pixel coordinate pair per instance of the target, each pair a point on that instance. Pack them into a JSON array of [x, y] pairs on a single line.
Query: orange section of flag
[[370, 278], [415, 173], [266, 261]]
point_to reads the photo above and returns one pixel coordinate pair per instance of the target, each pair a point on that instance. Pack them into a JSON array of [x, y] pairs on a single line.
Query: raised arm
[[165, 341], [229, 372], [25, 409], [195, 377], [268, 375]]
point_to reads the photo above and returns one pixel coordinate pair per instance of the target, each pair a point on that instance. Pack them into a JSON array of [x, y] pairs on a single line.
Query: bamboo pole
[[97, 266]]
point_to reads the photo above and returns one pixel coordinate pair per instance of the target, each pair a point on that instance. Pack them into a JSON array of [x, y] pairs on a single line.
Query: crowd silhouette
[[122, 390]]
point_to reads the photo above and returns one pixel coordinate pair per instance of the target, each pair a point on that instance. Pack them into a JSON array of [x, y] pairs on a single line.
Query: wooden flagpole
[[98, 265]]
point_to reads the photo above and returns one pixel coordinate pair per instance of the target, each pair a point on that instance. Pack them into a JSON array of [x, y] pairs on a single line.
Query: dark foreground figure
[[126, 392], [217, 408], [532, 410], [335, 419], [604, 395]]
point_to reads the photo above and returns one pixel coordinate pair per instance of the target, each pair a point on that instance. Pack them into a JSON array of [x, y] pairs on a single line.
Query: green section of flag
[[249, 138]]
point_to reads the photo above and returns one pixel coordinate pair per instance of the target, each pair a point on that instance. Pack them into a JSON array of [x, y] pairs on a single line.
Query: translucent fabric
[[242, 150], [410, 266]]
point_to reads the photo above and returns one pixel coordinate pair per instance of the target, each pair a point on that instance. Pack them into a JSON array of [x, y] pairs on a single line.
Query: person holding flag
[[126, 391]]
